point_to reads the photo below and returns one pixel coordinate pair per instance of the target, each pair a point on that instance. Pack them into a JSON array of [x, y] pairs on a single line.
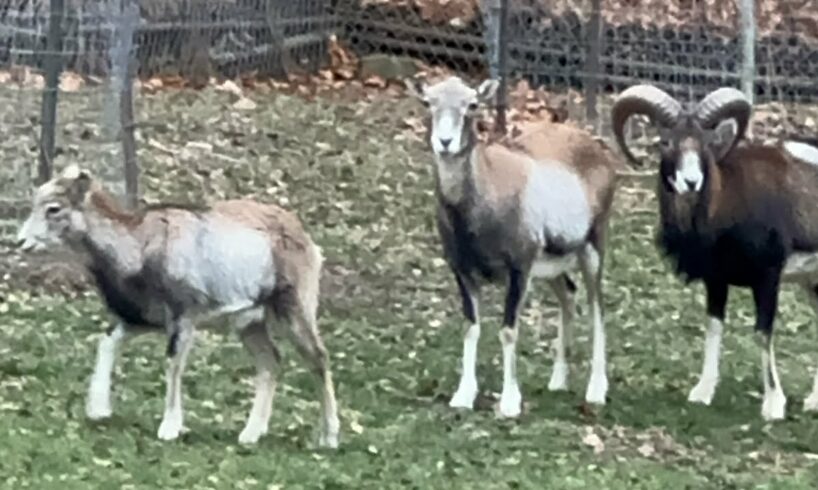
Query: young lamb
[[731, 214], [534, 206], [171, 268]]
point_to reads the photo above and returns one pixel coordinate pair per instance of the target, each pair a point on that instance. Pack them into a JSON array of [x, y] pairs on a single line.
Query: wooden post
[[502, 68], [53, 67], [592, 70], [748, 50]]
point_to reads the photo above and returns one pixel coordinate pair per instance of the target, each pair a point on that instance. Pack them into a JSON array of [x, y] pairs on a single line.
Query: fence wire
[[587, 50]]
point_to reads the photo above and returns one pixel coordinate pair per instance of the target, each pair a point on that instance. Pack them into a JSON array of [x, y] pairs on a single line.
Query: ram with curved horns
[[733, 213]]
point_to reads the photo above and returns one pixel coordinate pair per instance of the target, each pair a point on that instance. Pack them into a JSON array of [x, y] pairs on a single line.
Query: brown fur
[[752, 170]]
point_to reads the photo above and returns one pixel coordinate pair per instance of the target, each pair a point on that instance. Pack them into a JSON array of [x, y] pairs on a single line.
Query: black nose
[[445, 142], [691, 184]]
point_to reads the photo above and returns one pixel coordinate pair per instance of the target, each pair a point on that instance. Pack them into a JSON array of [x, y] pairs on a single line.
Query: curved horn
[[658, 105], [722, 104]]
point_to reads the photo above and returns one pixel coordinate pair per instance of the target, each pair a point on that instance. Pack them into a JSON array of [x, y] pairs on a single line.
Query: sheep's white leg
[[706, 387], [765, 297], [811, 401], [590, 263], [467, 388], [774, 405], [98, 403], [562, 344], [180, 344], [257, 341], [511, 399]]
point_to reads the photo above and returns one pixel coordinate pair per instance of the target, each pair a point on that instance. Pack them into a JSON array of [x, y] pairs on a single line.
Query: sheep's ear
[[416, 88], [722, 138], [78, 183], [487, 90]]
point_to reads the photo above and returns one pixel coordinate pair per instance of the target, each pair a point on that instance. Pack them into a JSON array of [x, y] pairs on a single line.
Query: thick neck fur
[[456, 174], [107, 233]]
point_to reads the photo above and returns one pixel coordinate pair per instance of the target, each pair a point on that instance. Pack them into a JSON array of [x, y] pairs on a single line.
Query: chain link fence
[[67, 66], [68, 70]]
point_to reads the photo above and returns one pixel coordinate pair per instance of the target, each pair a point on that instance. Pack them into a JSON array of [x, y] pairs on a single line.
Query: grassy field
[[391, 320]]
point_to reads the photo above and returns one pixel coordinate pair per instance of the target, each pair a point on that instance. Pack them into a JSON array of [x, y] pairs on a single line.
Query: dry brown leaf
[[230, 87], [375, 81], [71, 82], [592, 439], [245, 104]]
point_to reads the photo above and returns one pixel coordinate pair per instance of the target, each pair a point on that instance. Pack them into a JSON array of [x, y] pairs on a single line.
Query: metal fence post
[[123, 70], [491, 22], [502, 68], [53, 67], [748, 47], [592, 61]]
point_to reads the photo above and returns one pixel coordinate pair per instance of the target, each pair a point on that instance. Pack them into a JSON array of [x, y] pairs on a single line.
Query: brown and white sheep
[[170, 268]]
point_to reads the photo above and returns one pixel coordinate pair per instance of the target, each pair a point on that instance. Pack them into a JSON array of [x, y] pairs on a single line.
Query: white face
[[52, 213], [452, 104], [689, 175]]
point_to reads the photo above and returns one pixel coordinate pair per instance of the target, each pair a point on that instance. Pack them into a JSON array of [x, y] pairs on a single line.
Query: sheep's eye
[[425, 103], [52, 210], [473, 106]]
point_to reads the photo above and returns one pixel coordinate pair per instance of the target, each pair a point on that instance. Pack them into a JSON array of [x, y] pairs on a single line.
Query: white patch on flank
[[98, 403], [801, 267], [554, 200], [689, 172], [802, 151], [773, 406], [467, 389], [511, 399], [706, 387], [231, 266]]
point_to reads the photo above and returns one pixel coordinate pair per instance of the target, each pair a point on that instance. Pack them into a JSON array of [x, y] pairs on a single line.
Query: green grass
[[391, 320]]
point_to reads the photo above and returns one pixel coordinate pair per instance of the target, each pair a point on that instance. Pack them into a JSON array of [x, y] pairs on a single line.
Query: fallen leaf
[[593, 440], [245, 104]]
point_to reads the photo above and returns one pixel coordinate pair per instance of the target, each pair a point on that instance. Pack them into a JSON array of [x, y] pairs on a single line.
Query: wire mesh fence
[[85, 54]]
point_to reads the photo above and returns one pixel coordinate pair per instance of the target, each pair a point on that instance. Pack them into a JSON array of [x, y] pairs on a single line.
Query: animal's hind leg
[[765, 295], [257, 341], [98, 403], [178, 350], [811, 402], [564, 291], [307, 340], [590, 262]]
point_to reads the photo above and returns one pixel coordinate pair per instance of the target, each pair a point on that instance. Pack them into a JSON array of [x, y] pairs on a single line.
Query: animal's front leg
[[716, 302], [180, 342], [467, 389], [511, 399], [98, 403]]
